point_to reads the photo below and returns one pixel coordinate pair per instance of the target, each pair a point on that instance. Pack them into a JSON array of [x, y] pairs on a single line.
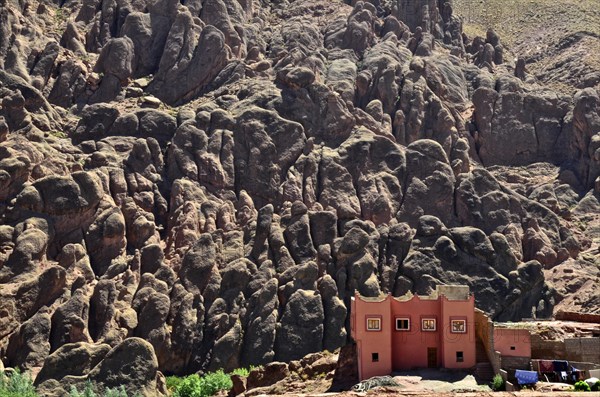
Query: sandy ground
[[388, 392], [444, 383]]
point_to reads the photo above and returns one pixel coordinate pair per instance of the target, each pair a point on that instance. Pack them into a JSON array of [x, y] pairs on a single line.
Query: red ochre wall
[[520, 339], [410, 347], [402, 350], [455, 342], [369, 342]]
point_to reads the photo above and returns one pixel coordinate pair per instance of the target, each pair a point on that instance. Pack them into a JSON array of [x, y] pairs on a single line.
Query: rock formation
[[291, 153]]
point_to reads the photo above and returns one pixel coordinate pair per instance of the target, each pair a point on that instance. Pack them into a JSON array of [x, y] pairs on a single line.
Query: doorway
[[432, 357]]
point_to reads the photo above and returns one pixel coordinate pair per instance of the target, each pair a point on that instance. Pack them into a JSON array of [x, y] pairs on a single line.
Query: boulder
[[301, 329], [267, 375], [132, 364], [72, 359]]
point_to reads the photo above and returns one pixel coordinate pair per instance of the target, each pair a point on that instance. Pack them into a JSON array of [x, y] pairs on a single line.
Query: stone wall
[[484, 330], [510, 364], [572, 349], [547, 349], [583, 349]]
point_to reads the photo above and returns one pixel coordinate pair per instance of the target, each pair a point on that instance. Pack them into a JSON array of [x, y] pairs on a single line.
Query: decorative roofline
[[409, 296]]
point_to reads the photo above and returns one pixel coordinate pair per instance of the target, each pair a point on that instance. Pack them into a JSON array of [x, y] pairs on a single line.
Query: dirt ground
[[388, 392], [425, 382]]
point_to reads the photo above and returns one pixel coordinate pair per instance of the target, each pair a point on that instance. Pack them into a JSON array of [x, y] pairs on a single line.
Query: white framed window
[[402, 324], [373, 323], [428, 324], [458, 326]]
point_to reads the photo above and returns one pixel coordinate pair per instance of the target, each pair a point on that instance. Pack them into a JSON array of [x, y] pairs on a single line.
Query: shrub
[[88, 391], [16, 385], [582, 386], [217, 381], [173, 383], [116, 392], [242, 371], [497, 383], [596, 386], [208, 385], [190, 386]]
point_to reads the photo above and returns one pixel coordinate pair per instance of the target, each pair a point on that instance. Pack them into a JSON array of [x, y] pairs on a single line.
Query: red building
[[395, 334]]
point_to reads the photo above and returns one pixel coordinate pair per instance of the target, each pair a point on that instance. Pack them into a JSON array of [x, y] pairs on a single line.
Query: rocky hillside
[[558, 40], [219, 177]]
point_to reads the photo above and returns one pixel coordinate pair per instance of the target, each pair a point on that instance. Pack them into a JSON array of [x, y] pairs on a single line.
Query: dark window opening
[[375, 357], [513, 348], [460, 357], [402, 324]]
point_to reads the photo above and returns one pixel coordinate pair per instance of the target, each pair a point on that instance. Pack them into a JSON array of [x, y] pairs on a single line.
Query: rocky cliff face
[[298, 151]]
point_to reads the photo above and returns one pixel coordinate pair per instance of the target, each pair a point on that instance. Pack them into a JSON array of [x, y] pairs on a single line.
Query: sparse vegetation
[[512, 18], [16, 385], [60, 17], [548, 34], [58, 134], [498, 383], [243, 371], [88, 391]]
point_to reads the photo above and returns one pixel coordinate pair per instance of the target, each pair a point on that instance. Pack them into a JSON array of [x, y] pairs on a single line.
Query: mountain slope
[[219, 177], [558, 40]]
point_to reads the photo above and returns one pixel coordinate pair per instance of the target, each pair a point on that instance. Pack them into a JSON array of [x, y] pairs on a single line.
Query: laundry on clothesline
[[526, 377]]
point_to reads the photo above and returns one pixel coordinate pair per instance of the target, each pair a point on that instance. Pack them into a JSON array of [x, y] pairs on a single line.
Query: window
[[428, 324], [458, 326], [460, 357], [375, 357], [513, 348], [402, 324], [373, 324]]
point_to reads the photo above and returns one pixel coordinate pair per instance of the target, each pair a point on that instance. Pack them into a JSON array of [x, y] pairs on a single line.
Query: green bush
[[582, 386], [596, 386], [16, 385], [88, 391], [217, 381], [208, 385], [243, 371], [190, 386], [497, 383], [116, 392], [173, 383]]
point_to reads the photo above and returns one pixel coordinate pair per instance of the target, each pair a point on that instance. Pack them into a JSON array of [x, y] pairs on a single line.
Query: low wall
[[547, 349], [579, 317], [584, 366], [510, 364], [583, 349], [514, 363], [571, 349]]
